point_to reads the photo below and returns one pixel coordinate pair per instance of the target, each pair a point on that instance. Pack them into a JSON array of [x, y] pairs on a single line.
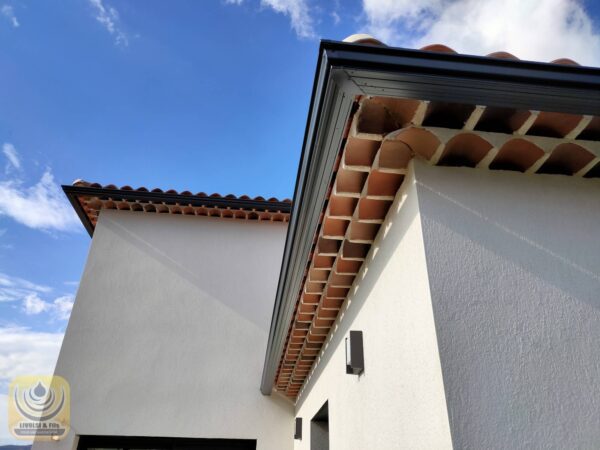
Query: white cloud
[[42, 206], [336, 18], [529, 29], [33, 304], [59, 309], [298, 12], [8, 12], [108, 17], [33, 297], [12, 155], [62, 307], [14, 288], [23, 352], [6, 280]]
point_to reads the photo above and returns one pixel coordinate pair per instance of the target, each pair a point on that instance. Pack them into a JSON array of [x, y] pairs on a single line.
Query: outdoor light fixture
[[355, 359], [298, 430]]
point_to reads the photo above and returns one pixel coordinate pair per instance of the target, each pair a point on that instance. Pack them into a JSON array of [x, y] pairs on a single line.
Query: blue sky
[[201, 95]]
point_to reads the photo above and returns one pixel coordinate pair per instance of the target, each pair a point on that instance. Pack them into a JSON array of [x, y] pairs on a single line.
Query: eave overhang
[[89, 199], [346, 71]]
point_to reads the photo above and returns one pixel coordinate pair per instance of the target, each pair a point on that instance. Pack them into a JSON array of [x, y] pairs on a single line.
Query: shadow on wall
[[401, 216], [516, 217], [514, 264], [230, 261]]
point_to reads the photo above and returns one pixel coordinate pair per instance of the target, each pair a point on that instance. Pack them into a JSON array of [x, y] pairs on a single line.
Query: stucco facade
[[398, 402], [480, 312], [513, 263], [168, 333], [478, 304]]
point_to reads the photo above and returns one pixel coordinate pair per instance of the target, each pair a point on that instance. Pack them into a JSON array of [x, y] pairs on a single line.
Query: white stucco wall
[[480, 308], [169, 330], [514, 270], [479, 304], [399, 400]]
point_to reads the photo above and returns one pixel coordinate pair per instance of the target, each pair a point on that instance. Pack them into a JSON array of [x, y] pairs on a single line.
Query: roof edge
[[74, 192], [315, 170], [346, 70]]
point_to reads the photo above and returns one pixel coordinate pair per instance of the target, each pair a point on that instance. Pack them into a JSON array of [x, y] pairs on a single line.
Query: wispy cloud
[[335, 17], [108, 17], [33, 304], [12, 155], [298, 11], [530, 29], [34, 297], [62, 307], [42, 206], [14, 288], [59, 309], [9, 13]]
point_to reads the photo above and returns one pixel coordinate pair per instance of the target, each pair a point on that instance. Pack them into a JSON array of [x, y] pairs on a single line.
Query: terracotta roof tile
[[366, 39], [89, 199], [384, 134]]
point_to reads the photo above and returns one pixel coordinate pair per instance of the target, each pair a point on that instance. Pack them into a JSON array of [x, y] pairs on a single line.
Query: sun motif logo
[[39, 407]]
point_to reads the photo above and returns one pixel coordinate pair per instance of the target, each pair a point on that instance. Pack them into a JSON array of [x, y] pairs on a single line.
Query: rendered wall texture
[[169, 330], [514, 273], [480, 308], [398, 402], [479, 305]]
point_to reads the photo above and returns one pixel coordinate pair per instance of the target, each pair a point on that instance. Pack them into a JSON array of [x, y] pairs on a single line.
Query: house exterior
[[434, 284]]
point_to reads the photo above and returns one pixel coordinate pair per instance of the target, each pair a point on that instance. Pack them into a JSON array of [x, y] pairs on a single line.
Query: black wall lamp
[[355, 359], [298, 429]]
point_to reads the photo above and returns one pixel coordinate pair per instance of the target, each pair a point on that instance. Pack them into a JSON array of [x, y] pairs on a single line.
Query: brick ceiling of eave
[[384, 135], [92, 205]]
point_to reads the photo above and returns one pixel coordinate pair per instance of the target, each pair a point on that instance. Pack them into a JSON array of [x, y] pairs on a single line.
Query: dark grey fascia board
[[345, 70], [466, 79], [72, 192], [72, 196], [329, 110]]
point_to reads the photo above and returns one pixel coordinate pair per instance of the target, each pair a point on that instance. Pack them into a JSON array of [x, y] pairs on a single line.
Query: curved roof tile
[[90, 198], [383, 134]]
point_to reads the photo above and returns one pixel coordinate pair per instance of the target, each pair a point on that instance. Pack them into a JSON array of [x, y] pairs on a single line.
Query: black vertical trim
[[298, 428]]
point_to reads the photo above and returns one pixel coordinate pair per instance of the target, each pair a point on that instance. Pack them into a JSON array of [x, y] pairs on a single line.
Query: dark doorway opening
[[162, 443], [319, 429]]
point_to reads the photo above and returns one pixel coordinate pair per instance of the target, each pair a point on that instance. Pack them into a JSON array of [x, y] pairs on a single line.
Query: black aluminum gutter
[[345, 70], [72, 192]]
